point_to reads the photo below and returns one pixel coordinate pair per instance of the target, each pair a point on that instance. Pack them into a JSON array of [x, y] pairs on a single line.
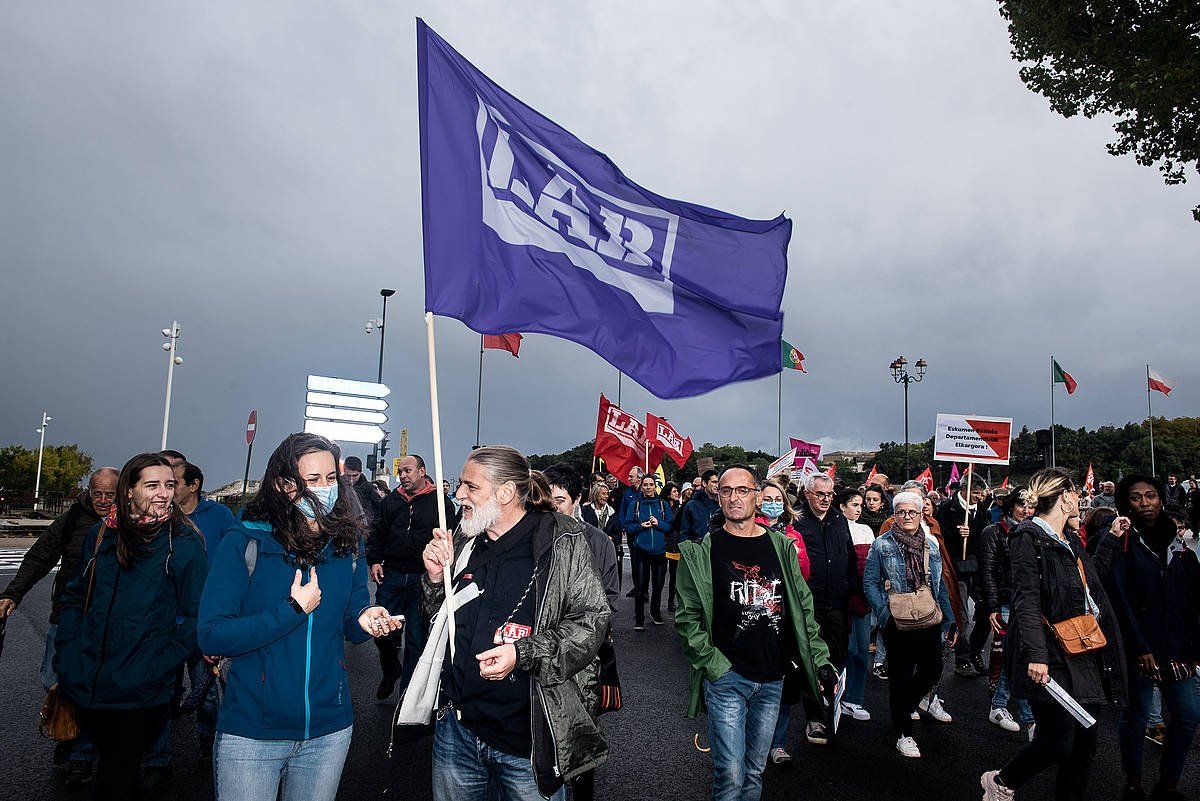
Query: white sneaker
[[1004, 719], [914, 715], [907, 746], [779, 756], [993, 790], [1032, 726], [935, 709], [855, 711]]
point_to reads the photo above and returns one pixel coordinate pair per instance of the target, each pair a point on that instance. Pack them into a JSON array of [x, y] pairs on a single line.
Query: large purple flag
[[529, 229]]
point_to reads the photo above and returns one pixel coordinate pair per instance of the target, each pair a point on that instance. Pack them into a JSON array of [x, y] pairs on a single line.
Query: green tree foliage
[[890, 459], [1139, 61], [63, 467]]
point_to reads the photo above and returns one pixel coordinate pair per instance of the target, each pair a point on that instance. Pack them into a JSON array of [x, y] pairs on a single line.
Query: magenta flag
[[805, 450]]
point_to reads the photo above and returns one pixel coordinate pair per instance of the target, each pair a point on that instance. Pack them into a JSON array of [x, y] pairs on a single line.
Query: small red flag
[[508, 342], [620, 440], [874, 472], [926, 479], [832, 471], [663, 438]]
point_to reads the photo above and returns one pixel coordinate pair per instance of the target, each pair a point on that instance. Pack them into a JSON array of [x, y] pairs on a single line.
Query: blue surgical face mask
[[772, 509], [327, 496]]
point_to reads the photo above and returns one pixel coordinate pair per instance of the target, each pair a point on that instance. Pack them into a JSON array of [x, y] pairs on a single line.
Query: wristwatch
[[296, 605]]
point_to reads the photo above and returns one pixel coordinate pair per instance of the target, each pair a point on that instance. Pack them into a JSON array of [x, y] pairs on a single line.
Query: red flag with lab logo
[[665, 440], [620, 440]]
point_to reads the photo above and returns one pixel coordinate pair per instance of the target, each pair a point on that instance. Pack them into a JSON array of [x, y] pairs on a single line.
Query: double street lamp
[[900, 375], [173, 359], [37, 482]]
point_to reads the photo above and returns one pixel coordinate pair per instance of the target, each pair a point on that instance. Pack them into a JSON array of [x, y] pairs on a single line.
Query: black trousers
[[647, 569], [835, 632], [121, 737], [914, 667], [972, 643], [1058, 740]]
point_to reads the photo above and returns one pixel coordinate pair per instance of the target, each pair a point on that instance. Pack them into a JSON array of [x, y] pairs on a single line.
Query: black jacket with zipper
[[1047, 588], [993, 563], [1158, 603], [833, 575], [403, 529]]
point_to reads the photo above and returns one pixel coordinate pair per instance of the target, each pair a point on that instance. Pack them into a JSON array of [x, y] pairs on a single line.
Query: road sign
[[345, 410], [404, 442], [342, 386], [344, 432], [972, 438], [251, 426], [396, 466]]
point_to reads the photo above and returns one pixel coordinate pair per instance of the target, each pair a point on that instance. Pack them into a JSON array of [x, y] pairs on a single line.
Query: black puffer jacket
[[950, 516], [1047, 586], [993, 563]]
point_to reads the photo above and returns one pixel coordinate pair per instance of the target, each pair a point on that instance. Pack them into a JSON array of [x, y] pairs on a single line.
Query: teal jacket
[[287, 672], [694, 612], [140, 625]]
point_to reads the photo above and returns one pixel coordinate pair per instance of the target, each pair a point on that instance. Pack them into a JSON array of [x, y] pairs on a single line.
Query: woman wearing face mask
[[1156, 589], [850, 501], [1054, 580], [286, 588], [128, 621], [776, 512]]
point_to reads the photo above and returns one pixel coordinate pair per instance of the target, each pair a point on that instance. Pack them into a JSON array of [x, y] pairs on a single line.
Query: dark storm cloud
[[251, 170]]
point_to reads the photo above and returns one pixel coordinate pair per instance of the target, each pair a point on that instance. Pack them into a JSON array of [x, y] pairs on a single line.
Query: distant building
[[861, 459], [232, 491]]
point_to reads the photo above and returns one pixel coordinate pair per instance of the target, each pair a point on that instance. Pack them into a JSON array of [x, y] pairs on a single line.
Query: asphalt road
[[652, 755]]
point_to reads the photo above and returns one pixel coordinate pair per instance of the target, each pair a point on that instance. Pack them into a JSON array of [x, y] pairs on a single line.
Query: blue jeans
[[253, 770], [741, 722], [1182, 699], [466, 768], [82, 748], [779, 737], [880, 645], [859, 661], [1002, 696], [400, 594]]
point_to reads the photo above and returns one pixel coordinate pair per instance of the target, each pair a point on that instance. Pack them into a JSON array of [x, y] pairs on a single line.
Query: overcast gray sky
[[251, 169]]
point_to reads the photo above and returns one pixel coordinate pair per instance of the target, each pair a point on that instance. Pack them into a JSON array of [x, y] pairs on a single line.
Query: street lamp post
[[173, 359], [37, 482], [379, 449], [900, 375]]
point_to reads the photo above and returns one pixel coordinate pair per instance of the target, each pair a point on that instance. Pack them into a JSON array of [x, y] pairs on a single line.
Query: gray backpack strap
[[251, 557]]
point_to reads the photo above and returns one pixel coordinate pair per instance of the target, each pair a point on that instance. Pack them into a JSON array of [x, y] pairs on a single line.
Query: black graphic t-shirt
[[748, 605]]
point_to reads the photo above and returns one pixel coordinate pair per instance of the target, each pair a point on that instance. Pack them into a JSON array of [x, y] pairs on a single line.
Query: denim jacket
[[884, 563]]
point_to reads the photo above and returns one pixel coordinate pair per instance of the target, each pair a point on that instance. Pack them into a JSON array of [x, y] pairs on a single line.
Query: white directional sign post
[[344, 410]]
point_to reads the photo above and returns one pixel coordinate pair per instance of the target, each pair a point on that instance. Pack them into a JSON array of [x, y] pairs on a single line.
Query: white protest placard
[[972, 438], [806, 469], [782, 463]]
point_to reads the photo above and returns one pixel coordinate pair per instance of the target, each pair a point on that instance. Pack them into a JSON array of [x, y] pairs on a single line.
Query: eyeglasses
[[742, 492], [821, 496], [907, 513], [104, 495]]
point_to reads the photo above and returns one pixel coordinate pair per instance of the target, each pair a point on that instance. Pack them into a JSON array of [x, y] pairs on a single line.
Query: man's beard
[[481, 519]]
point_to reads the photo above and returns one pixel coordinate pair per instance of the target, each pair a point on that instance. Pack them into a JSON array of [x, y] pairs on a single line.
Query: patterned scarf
[[912, 548]]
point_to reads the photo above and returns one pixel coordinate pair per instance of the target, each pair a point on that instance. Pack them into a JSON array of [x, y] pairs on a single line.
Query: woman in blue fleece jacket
[[285, 590]]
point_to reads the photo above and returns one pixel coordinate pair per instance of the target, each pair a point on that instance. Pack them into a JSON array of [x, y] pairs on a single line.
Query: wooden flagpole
[[967, 517], [447, 578]]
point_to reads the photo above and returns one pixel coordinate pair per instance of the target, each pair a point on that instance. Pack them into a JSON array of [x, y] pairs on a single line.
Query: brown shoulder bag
[[58, 718], [1080, 634]]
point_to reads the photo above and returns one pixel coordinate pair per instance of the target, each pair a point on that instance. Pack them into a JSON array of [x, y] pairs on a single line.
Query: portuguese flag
[[1061, 376], [792, 358]]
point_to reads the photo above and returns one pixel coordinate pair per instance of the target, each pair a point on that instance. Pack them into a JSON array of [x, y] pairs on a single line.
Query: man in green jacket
[[745, 618]]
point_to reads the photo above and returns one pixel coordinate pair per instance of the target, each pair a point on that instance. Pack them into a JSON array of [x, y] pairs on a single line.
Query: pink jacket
[[801, 552]]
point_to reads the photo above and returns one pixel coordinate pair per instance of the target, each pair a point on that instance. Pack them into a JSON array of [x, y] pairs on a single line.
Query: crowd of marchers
[[493, 608]]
